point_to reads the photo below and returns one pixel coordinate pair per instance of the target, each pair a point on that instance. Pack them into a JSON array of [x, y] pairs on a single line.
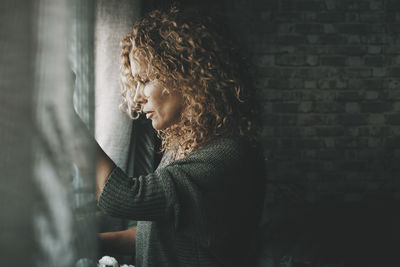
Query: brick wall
[[328, 75]]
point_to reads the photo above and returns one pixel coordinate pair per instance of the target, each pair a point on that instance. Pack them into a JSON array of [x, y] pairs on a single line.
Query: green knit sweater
[[201, 210]]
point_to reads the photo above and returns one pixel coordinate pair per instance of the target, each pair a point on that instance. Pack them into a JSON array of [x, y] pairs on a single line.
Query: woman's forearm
[[104, 164], [118, 243], [103, 169]]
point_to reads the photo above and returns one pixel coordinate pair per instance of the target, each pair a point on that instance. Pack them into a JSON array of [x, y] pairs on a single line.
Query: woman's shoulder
[[229, 147]]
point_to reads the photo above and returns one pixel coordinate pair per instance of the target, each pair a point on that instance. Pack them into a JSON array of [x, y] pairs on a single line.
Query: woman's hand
[[117, 243], [103, 165]]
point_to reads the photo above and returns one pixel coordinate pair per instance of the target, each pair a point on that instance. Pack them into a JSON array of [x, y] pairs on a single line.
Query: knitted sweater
[[201, 210]]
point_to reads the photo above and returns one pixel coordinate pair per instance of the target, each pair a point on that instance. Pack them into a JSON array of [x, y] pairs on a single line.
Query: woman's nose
[[139, 97]]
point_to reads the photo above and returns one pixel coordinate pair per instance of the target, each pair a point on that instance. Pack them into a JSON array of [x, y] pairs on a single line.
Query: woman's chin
[[156, 125]]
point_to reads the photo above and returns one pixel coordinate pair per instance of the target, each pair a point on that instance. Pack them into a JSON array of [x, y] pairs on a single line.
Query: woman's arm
[[104, 166], [117, 243]]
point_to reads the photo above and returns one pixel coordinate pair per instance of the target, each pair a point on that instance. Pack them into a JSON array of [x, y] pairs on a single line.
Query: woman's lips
[[149, 114]]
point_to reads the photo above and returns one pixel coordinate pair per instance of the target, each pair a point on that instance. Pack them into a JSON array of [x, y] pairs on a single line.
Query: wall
[[328, 76]]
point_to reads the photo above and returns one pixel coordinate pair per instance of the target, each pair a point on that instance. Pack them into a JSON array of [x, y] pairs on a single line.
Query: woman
[[202, 204]]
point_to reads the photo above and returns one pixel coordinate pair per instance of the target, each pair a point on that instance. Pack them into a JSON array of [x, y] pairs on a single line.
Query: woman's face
[[161, 106]]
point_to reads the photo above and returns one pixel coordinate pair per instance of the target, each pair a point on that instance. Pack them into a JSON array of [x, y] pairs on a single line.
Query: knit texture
[[201, 210]]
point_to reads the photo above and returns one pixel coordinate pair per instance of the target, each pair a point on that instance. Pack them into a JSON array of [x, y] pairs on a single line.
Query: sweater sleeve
[[137, 198], [181, 191]]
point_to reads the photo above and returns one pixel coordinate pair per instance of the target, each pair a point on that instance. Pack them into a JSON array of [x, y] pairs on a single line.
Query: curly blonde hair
[[187, 54]]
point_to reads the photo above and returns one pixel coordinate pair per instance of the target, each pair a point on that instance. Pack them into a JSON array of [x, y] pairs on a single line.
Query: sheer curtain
[[41, 223], [64, 223], [17, 188], [59, 58]]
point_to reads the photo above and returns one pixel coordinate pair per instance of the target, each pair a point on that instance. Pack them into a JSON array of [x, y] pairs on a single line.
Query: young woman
[[202, 204]]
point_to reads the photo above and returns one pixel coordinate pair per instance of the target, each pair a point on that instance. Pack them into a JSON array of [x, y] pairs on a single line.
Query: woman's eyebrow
[[138, 77]]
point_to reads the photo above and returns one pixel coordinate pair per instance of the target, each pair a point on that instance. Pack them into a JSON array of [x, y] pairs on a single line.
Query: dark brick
[[367, 154], [278, 73], [291, 39], [310, 5], [376, 39], [365, 84], [350, 96], [311, 165], [392, 5], [269, 143], [288, 16], [332, 84], [392, 95], [278, 83], [393, 28], [351, 142], [350, 154], [394, 72], [333, 39], [353, 5], [393, 142], [291, 60], [270, 119], [358, 72], [287, 154], [285, 107], [314, 119], [308, 131], [354, 28], [308, 154], [375, 131], [375, 61], [376, 119], [352, 119], [333, 60], [313, 95], [287, 131], [309, 143], [286, 5], [393, 119], [309, 28], [330, 130], [392, 84], [375, 107], [287, 120], [331, 16], [349, 50], [390, 17], [330, 154], [296, 83], [285, 28], [286, 143], [328, 107], [372, 17], [272, 95]]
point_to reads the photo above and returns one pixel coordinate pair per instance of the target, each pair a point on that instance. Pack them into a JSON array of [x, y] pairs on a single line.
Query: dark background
[[327, 75]]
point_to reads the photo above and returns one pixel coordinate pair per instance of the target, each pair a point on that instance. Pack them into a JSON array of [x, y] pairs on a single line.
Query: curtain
[[58, 59], [17, 188], [41, 223]]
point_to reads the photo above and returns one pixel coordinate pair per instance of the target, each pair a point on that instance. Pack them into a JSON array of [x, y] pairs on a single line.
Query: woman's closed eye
[[144, 81]]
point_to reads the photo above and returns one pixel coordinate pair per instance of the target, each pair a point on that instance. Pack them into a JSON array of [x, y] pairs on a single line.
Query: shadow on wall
[[330, 234]]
